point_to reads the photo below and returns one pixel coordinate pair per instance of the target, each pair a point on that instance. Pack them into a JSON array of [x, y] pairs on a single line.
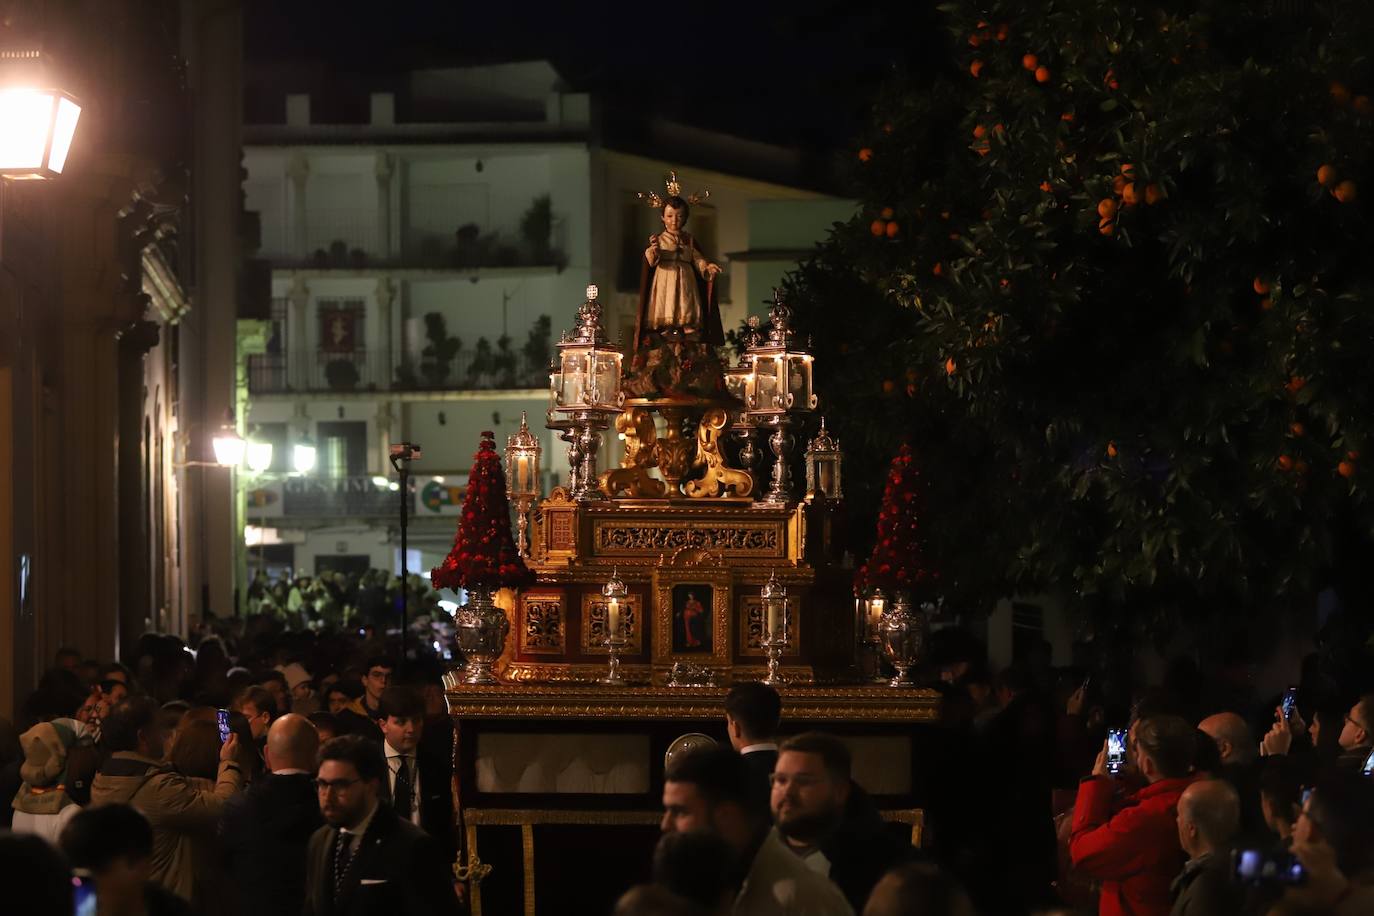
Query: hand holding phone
[[222, 718], [83, 893], [1290, 703], [1116, 751]]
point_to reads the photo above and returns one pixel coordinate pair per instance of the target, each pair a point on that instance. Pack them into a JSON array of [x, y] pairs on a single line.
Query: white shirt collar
[[363, 824], [761, 746], [391, 752]]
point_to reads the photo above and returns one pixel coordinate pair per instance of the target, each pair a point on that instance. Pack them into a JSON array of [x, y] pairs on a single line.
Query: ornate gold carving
[[561, 533], [751, 625], [673, 453], [749, 539], [541, 625], [594, 625], [719, 477], [636, 425], [528, 673], [803, 702]]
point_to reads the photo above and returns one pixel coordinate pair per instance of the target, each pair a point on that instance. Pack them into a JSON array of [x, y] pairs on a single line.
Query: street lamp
[[229, 447], [37, 121], [303, 456], [259, 456]]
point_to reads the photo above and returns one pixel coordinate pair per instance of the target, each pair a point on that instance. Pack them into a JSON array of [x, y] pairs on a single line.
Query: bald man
[[266, 829], [1208, 820], [1240, 766]]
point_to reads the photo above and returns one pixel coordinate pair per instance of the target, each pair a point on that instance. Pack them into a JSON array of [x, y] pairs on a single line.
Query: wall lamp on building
[[229, 447], [303, 456], [37, 119]]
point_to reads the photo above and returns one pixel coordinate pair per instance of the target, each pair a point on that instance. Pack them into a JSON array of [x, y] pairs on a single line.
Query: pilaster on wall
[[385, 171], [298, 170]]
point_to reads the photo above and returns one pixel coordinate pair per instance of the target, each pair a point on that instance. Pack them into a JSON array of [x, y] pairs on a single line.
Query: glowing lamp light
[[259, 456], [303, 457], [380, 481], [36, 131], [229, 447]]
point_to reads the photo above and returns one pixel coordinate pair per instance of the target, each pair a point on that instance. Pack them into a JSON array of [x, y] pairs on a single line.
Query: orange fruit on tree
[[1353, 455], [877, 227], [1106, 228], [1363, 105], [892, 229], [999, 129], [889, 386], [938, 270], [1340, 94], [1042, 74], [1296, 384], [1128, 195], [1127, 169], [1296, 428], [865, 154], [1046, 187], [1260, 285], [1111, 450], [979, 131], [1346, 191], [975, 68], [1153, 194], [1346, 469], [1002, 32], [1285, 463], [886, 213], [1106, 207], [1066, 116], [1118, 184], [1030, 62], [974, 41], [1326, 174], [950, 366]]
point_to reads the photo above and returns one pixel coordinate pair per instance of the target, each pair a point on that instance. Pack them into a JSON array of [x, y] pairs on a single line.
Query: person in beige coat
[[136, 775]]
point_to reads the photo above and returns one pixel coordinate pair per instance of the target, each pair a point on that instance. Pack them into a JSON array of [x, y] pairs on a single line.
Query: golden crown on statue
[[673, 187]]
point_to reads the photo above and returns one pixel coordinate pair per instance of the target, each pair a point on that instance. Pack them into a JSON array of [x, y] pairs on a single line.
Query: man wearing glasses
[[366, 860], [1357, 734]]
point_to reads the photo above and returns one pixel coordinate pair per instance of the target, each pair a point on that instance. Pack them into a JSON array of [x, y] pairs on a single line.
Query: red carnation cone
[[898, 560], [483, 553]]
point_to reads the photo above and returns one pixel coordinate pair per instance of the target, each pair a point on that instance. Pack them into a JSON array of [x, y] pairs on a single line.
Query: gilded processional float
[[639, 593]]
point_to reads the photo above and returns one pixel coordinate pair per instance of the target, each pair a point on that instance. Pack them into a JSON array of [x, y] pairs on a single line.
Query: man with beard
[[708, 789], [828, 820], [367, 861]]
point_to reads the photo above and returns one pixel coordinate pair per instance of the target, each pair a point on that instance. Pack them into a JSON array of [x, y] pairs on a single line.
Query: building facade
[[424, 262]]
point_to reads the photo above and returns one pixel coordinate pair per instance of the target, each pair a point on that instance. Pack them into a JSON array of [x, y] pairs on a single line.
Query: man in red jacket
[[1131, 844]]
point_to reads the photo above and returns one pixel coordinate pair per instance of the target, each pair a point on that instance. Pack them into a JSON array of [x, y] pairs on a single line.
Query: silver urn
[[902, 634], [482, 629]]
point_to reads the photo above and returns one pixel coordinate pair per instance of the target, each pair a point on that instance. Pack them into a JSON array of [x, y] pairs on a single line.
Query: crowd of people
[[277, 772]]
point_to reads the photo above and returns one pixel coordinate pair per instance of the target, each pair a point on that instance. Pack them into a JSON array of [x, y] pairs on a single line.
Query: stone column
[[299, 355], [385, 169], [385, 351], [298, 170]]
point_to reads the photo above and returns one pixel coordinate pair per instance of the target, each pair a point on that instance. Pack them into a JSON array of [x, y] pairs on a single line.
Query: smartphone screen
[[1290, 702], [1255, 866], [83, 894], [1368, 768], [222, 717], [1116, 750]]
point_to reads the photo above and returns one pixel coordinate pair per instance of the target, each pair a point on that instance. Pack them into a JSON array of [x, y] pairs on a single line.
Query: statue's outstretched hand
[[712, 270], [651, 253]]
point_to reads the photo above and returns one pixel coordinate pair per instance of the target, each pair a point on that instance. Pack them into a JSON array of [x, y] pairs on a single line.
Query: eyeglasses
[[1356, 722], [336, 785]]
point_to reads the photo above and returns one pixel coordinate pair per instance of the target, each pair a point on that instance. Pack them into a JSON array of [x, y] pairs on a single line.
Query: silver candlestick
[[613, 678]]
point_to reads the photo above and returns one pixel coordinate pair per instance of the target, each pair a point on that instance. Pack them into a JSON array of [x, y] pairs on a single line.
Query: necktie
[[343, 857], [404, 791]]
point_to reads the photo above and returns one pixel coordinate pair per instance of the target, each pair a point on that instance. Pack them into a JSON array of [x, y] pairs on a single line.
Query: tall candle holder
[[616, 639], [775, 614], [868, 611]]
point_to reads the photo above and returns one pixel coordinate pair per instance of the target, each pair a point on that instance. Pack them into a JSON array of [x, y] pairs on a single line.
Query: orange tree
[[1113, 277]]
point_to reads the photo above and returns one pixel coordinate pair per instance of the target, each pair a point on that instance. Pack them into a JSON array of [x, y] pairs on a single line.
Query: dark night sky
[[800, 74]]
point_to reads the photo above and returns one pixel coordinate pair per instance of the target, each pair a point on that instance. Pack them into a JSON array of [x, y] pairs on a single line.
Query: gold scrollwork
[[719, 478], [636, 426], [541, 625], [762, 539], [594, 625]]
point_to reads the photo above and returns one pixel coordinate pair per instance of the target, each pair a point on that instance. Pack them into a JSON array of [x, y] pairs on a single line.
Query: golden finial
[[673, 187]]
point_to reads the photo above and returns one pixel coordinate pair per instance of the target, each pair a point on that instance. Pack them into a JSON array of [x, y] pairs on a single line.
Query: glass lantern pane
[[26, 115], [799, 379], [574, 377], [63, 130], [607, 378], [555, 389], [766, 382]]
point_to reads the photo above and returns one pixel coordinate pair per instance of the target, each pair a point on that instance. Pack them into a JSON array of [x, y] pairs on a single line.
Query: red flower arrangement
[[896, 564], [483, 551]]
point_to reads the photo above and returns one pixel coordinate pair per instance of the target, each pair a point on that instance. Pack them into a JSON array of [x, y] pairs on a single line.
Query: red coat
[[1131, 847]]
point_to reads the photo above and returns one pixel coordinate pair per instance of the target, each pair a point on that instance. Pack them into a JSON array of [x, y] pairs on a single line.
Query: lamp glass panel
[[765, 382], [25, 118], [64, 129], [799, 379], [259, 456], [228, 450], [574, 377], [607, 376], [303, 457]]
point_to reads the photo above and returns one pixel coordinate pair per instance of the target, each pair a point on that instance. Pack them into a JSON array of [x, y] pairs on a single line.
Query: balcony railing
[[375, 370], [321, 497]]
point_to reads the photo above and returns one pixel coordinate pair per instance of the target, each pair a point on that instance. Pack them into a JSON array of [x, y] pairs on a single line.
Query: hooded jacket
[[43, 805]]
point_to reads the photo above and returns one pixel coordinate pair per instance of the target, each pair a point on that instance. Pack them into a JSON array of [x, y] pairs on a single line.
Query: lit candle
[[875, 610], [613, 618], [774, 608], [522, 472]]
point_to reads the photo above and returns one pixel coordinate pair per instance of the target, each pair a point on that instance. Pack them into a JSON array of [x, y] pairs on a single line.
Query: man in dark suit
[[366, 860], [418, 783], [264, 831], [752, 713]]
